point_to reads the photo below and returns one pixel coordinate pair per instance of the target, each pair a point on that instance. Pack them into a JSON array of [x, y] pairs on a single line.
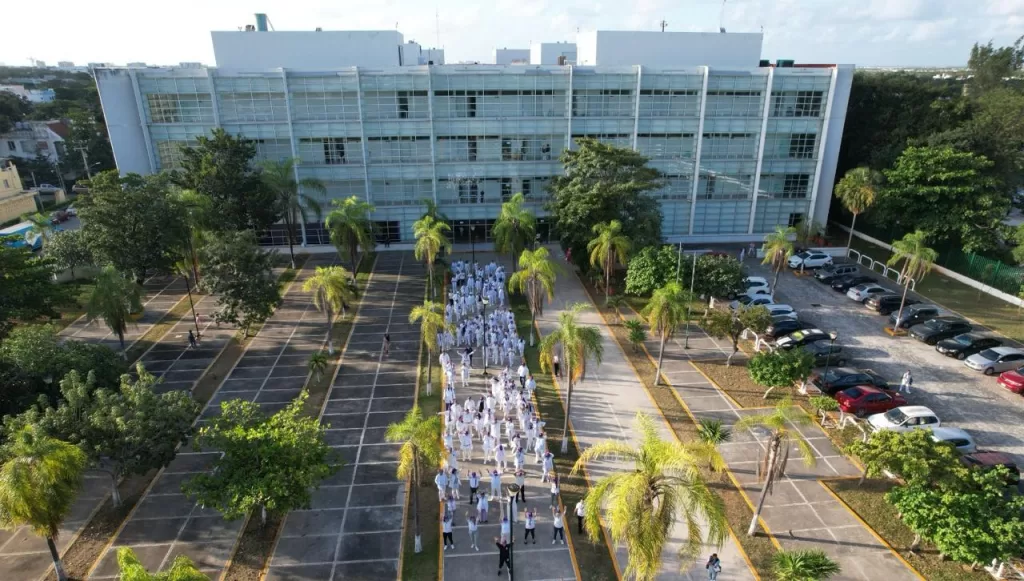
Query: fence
[[987, 271]]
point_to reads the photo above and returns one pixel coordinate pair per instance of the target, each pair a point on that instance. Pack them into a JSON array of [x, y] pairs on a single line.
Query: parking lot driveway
[[962, 398]]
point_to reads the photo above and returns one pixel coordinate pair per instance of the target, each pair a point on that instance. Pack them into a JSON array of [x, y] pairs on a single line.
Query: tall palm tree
[[578, 343], [431, 209], [535, 278], [431, 240], [778, 247], [114, 299], [857, 191], [38, 484], [917, 260], [197, 209], [421, 443], [131, 569], [812, 565], [279, 176], [641, 505], [332, 289], [350, 228], [515, 227], [431, 318], [713, 432], [608, 248], [664, 313], [41, 225], [317, 364], [781, 424]]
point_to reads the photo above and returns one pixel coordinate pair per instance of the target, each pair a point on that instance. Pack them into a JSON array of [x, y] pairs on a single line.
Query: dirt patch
[[735, 381]]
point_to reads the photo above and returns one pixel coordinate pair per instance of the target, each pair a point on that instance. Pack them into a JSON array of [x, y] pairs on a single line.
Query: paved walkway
[[353, 530]]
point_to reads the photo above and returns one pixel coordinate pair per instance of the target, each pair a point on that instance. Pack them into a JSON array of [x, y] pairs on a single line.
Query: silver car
[[996, 360]]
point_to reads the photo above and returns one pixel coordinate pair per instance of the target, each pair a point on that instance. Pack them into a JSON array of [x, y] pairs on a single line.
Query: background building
[[29, 139], [15, 201], [745, 145], [33, 95]]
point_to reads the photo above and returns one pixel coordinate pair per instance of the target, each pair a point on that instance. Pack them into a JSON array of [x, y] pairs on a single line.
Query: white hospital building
[[745, 144]]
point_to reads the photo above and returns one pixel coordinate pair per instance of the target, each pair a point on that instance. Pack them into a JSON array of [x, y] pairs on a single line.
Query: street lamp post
[[693, 278], [513, 490], [828, 358], [472, 242], [485, 302]]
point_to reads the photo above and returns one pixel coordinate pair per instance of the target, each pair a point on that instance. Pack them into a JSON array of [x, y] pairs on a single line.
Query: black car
[[847, 281], [939, 328], [913, 315], [827, 274], [839, 378], [826, 353], [887, 303], [784, 327], [963, 346]]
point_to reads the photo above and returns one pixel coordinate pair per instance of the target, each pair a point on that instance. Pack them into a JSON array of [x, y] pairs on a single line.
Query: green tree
[[27, 291], [608, 248], [989, 65], [724, 323], [780, 368], [713, 432], [279, 177], [602, 183], [651, 268], [114, 299], [640, 506], [783, 425], [350, 228], [40, 352], [41, 226], [637, 333], [857, 192], [131, 569], [915, 456], [318, 363], [577, 343], [272, 463], [778, 247], [810, 565], [431, 241], [421, 444], [535, 279], [666, 310], [12, 110], [332, 289], [431, 209], [198, 220], [38, 484], [68, 250], [716, 275], [515, 227], [916, 260], [430, 316], [241, 274]]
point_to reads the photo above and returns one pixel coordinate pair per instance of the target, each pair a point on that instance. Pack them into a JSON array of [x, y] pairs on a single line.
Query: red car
[[1012, 380], [864, 400]]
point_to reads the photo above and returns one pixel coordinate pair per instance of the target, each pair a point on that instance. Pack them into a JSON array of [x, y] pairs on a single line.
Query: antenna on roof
[[437, 27], [721, 18], [663, 25]]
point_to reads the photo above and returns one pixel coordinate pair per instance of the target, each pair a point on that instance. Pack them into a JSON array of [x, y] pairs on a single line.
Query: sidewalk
[[604, 406]]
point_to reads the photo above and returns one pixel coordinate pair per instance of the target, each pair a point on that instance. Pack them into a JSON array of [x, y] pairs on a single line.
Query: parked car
[[71, 210], [865, 291], [755, 285], [809, 259], [996, 360], [887, 303], [912, 315], [828, 274], [934, 330], [59, 217], [844, 283], [989, 460], [787, 316], [864, 400], [905, 418], [783, 327], [826, 353], [840, 378], [1012, 380], [801, 338], [751, 301], [780, 310], [965, 345], [960, 439]]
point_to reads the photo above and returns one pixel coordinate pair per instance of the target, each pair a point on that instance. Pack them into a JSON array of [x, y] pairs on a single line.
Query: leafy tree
[[350, 228], [637, 333], [421, 444], [68, 250], [332, 290], [724, 323], [915, 456], [431, 241], [279, 178], [27, 291], [780, 368], [810, 565], [667, 309], [515, 227], [640, 506], [12, 110], [716, 276], [41, 226], [114, 299], [268, 462], [916, 258], [534, 279], [713, 432], [783, 424], [778, 247], [40, 169], [132, 222], [650, 269], [198, 219], [241, 274], [857, 192], [990, 65], [131, 569], [604, 183], [430, 209], [38, 484], [318, 363], [221, 167], [608, 248], [87, 130], [577, 343], [430, 316]]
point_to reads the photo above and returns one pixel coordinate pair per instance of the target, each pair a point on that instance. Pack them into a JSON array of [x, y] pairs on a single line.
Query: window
[[797, 103], [669, 102], [602, 103], [12, 146], [795, 219], [526, 188], [796, 185], [506, 189], [330, 150], [730, 146], [334, 151], [801, 145], [179, 108]]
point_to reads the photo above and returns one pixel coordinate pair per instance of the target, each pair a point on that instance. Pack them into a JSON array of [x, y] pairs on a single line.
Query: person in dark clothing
[[387, 343], [504, 550], [191, 339]]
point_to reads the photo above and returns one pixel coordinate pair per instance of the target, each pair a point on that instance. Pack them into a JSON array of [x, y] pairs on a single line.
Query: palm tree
[[431, 318], [431, 240], [115, 299], [857, 191], [38, 484], [197, 209], [609, 247], [280, 177], [350, 228], [431, 209], [917, 260], [41, 225], [812, 565], [421, 442], [616, 302], [318, 362], [131, 569], [578, 343], [642, 504], [713, 432], [780, 436], [778, 247], [664, 313], [535, 278], [637, 333], [515, 227], [332, 289]]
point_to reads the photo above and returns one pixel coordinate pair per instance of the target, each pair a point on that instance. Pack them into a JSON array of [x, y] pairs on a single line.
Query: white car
[[752, 301], [756, 285], [810, 259], [996, 360], [904, 418], [781, 310], [863, 292], [963, 441], [788, 316]]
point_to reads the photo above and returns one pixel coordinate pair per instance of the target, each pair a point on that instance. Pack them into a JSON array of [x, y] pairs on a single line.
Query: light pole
[[513, 490], [472, 242], [828, 358], [485, 302], [693, 278]]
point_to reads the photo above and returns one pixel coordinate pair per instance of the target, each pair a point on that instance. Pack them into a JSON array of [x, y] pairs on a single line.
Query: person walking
[[441, 481], [495, 484], [521, 483], [548, 467], [554, 490], [556, 366], [474, 485], [523, 371], [559, 525], [531, 526], [465, 375], [450, 507], [481, 508], [503, 553], [446, 532], [474, 535], [191, 339], [454, 483], [387, 343], [906, 381], [579, 516], [714, 567], [506, 529]]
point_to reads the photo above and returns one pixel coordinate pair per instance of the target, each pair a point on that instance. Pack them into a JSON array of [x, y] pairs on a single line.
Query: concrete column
[[821, 144], [142, 120], [696, 156], [291, 139], [636, 108], [362, 135], [760, 147]]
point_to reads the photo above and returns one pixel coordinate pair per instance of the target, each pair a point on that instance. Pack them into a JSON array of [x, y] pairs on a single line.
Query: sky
[[862, 32]]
